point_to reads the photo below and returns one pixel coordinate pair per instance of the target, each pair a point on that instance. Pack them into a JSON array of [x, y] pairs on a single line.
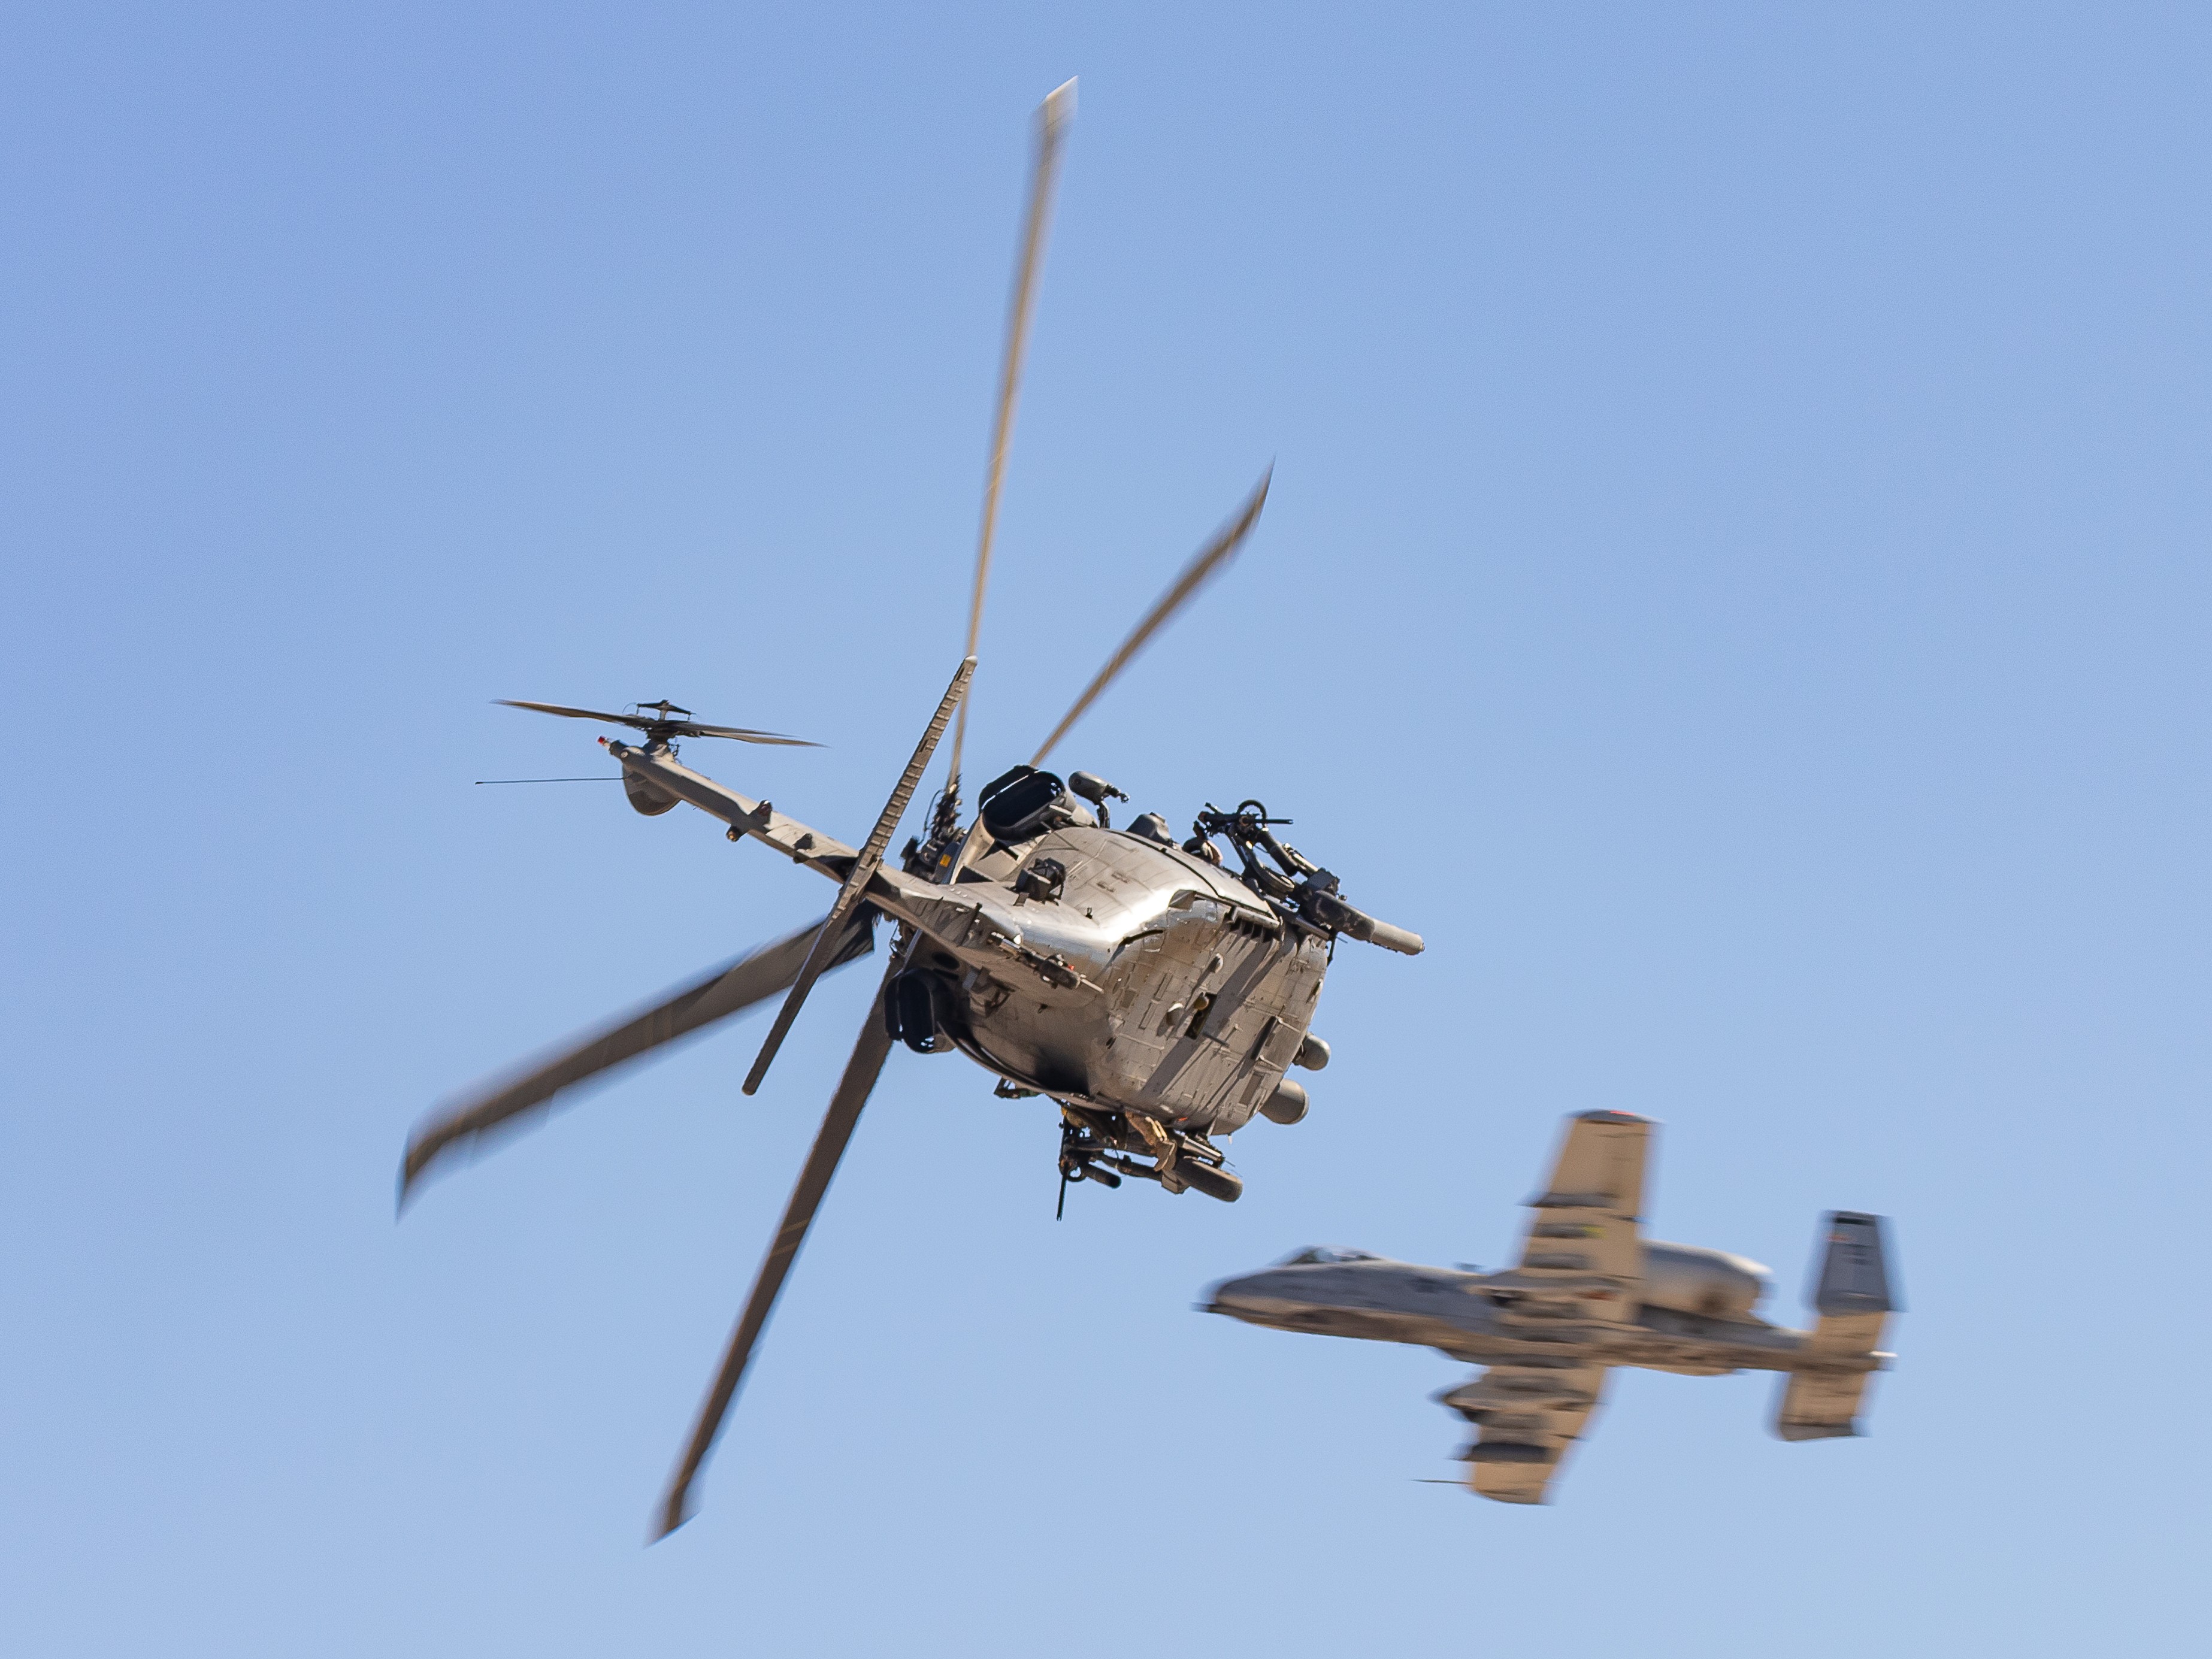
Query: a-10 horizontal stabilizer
[[1854, 1300]]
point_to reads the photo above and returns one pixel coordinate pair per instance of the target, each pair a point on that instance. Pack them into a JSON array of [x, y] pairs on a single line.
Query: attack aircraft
[[1589, 1294]]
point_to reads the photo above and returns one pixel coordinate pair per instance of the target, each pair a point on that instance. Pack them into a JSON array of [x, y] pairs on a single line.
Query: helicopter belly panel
[[1207, 1048], [1270, 1028], [1151, 983]]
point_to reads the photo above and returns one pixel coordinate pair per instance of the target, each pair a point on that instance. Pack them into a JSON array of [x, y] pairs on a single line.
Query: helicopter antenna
[[1051, 119]]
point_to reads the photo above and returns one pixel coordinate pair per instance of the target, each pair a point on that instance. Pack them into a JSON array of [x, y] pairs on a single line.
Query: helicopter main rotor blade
[[513, 1106], [1051, 119], [837, 1124], [1208, 559], [865, 863]]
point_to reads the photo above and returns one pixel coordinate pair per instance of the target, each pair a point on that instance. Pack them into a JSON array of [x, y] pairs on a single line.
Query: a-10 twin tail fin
[[1853, 1298]]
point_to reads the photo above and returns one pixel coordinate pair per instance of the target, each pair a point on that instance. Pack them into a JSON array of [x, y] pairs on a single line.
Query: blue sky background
[[1736, 582]]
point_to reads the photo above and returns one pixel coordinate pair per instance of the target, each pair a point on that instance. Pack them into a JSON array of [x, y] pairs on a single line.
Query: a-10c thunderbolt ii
[[1589, 1294]]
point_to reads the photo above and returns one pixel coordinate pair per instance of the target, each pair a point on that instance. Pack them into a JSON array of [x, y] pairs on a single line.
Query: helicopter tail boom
[[657, 769]]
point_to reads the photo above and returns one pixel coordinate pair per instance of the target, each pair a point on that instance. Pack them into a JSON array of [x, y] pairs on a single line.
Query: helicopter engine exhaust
[[915, 1008]]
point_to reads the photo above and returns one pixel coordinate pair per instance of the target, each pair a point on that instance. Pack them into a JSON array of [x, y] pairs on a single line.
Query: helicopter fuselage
[[1154, 995], [1153, 982]]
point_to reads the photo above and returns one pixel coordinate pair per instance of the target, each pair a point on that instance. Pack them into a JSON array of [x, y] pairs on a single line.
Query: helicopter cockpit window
[[1324, 1253]]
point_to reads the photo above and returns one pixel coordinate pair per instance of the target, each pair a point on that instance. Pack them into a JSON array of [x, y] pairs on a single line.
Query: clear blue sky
[[1736, 582]]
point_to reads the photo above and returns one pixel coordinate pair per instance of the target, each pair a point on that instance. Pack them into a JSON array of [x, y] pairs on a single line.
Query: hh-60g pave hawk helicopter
[[1155, 997]]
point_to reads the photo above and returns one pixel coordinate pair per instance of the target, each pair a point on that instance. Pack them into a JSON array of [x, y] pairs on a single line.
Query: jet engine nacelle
[[1710, 1283]]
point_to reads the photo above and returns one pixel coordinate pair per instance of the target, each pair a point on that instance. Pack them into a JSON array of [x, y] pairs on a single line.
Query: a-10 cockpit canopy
[[1324, 1253]]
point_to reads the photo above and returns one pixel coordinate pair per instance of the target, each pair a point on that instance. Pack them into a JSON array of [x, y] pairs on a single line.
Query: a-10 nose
[[1254, 1295]]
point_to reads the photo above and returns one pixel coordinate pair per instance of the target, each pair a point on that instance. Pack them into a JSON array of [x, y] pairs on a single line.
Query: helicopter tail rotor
[[660, 721]]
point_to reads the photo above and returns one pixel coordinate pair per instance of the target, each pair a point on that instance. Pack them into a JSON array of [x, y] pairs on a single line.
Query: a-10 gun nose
[[1254, 1296]]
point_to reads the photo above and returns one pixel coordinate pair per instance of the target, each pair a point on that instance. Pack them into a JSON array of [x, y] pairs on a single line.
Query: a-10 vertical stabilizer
[[1853, 1298]]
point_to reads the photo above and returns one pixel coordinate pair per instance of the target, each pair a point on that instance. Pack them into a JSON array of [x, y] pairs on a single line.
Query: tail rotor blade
[[663, 723], [1052, 120], [1209, 559], [567, 712], [837, 1125]]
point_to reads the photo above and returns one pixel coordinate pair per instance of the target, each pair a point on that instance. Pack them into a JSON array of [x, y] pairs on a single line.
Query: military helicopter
[[1154, 996]]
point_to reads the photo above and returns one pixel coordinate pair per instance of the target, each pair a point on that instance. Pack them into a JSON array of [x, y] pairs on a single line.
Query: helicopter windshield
[[1324, 1253]]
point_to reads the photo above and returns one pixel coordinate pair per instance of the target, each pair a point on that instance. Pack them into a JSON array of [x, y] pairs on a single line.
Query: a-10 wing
[[1580, 1269], [1583, 1234], [1529, 1414]]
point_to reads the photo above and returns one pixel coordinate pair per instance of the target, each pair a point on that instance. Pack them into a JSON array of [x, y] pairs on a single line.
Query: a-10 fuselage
[[1468, 1317]]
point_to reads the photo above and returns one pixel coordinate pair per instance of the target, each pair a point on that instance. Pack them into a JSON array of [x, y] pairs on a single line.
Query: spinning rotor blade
[[864, 866], [679, 728], [727, 990], [1209, 558], [571, 714], [1051, 119], [743, 734], [837, 1125]]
